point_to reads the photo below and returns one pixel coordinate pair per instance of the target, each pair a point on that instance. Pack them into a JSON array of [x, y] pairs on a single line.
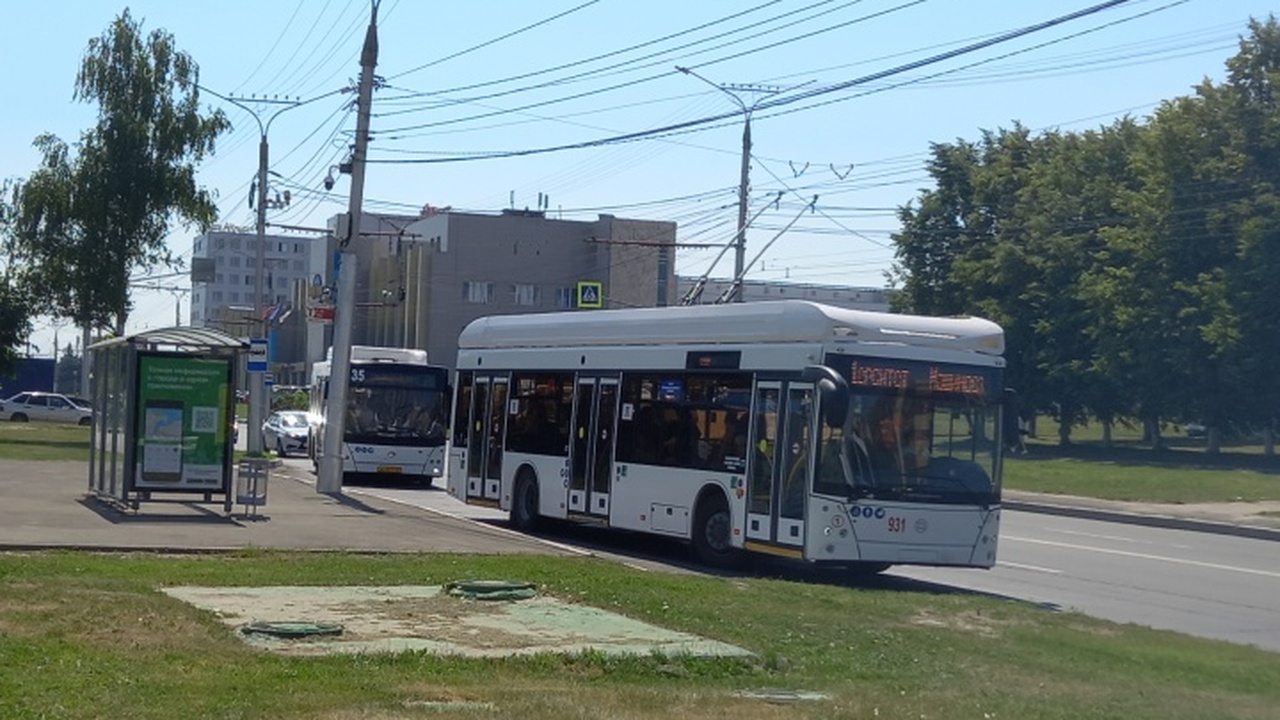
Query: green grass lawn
[[89, 636], [43, 441]]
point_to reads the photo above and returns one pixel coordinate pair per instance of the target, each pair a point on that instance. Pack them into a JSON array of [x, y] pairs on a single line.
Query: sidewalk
[[48, 506]]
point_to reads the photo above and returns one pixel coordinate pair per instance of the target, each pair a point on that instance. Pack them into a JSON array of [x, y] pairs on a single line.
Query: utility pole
[[257, 385], [329, 470], [744, 178]]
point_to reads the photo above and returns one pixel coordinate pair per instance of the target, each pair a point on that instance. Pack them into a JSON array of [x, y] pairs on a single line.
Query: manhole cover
[[292, 629]]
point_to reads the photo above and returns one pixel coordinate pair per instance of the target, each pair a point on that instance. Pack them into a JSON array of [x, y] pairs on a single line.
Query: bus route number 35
[[357, 375]]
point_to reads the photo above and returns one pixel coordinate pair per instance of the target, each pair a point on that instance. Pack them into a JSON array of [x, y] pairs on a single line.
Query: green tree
[[15, 300], [90, 221]]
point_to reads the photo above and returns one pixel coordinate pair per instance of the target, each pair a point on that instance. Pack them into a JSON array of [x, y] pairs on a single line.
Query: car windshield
[[293, 420]]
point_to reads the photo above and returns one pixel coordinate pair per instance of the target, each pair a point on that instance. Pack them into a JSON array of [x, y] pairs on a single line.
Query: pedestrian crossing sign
[[590, 294]]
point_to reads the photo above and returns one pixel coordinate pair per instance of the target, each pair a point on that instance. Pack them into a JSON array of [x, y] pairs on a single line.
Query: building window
[[235, 243], [235, 297], [217, 278], [217, 296], [297, 248], [564, 298], [248, 279], [235, 261], [525, 294], [297, 265], [199, 245], [221, 243], [477, 292]]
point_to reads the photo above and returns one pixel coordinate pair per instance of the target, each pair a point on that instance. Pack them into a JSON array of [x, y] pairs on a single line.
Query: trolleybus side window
[[691, 420], [543, 403]]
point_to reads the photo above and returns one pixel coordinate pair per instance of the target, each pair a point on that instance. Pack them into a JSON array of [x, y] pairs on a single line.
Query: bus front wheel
[[712, 528], [524, 503]]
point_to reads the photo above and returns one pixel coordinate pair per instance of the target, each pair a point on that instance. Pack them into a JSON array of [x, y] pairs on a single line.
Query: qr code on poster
[[204, 419]]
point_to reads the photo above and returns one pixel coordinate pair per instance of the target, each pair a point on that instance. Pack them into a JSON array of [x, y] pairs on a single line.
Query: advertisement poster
[[183, 422]]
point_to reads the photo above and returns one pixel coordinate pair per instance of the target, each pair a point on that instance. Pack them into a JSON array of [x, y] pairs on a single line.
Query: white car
[[286, 431], [47, 407]]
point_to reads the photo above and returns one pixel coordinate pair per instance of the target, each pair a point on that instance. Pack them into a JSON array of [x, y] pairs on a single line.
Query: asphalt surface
[[48, 505]]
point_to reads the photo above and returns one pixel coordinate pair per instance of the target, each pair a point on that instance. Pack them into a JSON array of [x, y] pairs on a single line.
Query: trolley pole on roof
[[329, 471]]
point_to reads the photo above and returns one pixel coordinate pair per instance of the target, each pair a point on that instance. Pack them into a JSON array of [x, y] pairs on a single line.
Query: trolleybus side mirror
[[834, 390]]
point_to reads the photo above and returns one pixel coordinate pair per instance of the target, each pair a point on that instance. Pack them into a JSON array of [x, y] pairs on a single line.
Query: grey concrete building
[[234, 254], [420, 280]]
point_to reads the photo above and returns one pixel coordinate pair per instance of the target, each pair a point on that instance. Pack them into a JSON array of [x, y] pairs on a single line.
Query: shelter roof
[[181, 339]]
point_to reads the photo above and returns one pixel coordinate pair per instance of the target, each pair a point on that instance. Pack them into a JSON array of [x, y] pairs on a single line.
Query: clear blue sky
[[505, 77]]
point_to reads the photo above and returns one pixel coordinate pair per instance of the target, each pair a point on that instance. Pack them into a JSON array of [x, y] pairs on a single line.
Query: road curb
[[1160, 521]]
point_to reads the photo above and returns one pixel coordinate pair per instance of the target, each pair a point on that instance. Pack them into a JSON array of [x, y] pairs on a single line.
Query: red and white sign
[[320, 312]]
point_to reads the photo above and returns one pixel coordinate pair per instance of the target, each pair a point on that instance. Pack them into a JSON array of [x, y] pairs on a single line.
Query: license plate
[[390, 469]]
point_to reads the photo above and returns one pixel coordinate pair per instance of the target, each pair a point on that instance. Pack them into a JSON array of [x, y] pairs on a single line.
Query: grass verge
[[89, 636], [1161, 483], [43, 441]]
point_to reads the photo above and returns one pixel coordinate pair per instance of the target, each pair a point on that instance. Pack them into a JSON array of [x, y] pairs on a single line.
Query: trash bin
[[251, 484]]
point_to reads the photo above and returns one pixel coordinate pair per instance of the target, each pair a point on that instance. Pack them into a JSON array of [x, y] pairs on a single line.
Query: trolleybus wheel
[[712, 526], [524, 502]]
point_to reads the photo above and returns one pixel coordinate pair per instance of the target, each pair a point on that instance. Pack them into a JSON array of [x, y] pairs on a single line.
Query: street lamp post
[[744, 178], [257, 384]]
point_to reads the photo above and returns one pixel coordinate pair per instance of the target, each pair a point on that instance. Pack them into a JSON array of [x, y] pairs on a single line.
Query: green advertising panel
[[183, 422]]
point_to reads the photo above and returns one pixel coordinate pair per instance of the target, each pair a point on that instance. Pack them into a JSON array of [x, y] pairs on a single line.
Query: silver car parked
[[47, 407]]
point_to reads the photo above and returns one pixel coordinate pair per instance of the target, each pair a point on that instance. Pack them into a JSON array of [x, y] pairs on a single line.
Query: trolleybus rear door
[[595, 406], [484, 441], [778, 475]]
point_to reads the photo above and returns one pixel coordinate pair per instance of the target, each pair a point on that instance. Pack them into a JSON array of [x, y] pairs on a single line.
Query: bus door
[[484, 439], [595, 410], [782, 431]]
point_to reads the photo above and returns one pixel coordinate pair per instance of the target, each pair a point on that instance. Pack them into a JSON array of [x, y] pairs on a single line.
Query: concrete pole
[[329, 471], [744, 182], [744, 178], [257, 388]]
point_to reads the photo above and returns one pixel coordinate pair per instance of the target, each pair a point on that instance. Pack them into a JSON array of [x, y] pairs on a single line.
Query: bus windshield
[[914, 431], [396, 405]]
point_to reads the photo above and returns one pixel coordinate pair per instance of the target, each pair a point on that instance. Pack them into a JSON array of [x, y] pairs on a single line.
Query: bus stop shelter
[[164, 411]]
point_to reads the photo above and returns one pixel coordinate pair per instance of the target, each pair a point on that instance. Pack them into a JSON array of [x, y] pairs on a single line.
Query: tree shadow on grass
[[1181, 456]]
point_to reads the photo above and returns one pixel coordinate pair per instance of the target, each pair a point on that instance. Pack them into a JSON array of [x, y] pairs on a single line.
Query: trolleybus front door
[[484, 440], [595, 406], [782, 431]]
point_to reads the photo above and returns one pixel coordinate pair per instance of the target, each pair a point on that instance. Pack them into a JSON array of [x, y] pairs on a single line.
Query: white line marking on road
[[1117, 538], [1145, 556], [1032, 568]]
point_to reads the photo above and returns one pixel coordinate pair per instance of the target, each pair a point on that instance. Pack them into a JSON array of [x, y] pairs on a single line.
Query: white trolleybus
[[397, 413], [788, 428]]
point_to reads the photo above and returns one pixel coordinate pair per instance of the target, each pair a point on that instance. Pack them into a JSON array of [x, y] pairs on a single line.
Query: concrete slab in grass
[[424, 618]]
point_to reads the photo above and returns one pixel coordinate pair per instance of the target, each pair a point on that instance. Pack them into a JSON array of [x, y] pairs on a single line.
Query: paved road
[[1204, 584]]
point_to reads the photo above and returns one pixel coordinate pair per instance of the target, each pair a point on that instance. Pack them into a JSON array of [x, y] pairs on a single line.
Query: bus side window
[[645, 434]]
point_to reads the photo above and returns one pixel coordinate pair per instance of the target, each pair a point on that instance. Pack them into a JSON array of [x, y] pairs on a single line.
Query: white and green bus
[[396, 417], [788, 428]]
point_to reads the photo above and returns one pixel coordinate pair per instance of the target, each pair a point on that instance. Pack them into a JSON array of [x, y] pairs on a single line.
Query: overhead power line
[[689, 125]]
